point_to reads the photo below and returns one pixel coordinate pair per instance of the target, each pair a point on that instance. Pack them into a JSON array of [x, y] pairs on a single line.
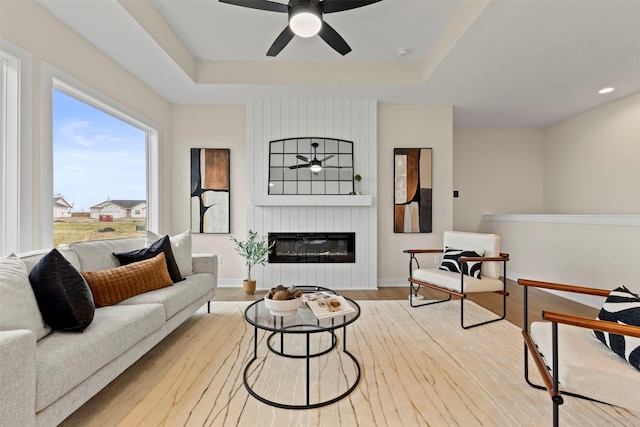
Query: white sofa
[[43, 381]]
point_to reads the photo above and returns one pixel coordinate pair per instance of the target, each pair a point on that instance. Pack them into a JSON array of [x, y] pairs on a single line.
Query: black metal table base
[[308, 356]]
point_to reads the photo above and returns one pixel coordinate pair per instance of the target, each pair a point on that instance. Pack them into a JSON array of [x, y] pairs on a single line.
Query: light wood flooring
[[538, 300]]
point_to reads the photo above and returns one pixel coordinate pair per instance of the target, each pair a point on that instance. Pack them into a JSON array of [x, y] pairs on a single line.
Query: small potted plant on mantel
[[357, 178], [254, 250]]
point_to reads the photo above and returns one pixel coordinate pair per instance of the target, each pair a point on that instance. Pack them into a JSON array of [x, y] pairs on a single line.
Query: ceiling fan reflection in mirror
[[314, 164], [306, 20]]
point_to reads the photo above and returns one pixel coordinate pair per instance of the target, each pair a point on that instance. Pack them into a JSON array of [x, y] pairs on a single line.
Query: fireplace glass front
[[313, 247]]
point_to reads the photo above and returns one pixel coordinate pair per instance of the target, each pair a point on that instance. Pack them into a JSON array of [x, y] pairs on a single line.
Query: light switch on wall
[[439, 209]]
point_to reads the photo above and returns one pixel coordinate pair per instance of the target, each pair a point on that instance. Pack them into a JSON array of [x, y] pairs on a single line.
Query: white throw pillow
[[181, 248], [18, 305]]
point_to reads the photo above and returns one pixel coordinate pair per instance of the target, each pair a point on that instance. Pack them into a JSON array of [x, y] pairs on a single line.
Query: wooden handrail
[[598, 325], [436, 287], [502, 257], [541, 365], [422, 251], [565, 288]]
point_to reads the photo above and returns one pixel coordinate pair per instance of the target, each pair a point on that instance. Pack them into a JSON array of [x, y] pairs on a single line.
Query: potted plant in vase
[[254, 250], [357, 178]]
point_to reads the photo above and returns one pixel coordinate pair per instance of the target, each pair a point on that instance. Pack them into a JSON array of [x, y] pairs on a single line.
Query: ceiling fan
[[305, 19], [314, 164]]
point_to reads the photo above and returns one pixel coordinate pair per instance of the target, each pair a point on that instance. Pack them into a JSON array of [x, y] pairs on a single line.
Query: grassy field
[[67, 231]]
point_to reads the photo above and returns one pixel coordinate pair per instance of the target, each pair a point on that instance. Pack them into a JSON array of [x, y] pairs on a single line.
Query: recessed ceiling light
[[606, 90]]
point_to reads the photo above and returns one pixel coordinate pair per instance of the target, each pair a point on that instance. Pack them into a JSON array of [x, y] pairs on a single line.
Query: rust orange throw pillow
[[117, 284]]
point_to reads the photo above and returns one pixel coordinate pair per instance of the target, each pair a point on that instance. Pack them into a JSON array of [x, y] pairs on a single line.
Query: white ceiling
[[509, 63]]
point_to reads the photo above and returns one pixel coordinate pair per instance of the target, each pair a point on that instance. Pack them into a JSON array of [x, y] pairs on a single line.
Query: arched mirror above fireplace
[[311, 166]]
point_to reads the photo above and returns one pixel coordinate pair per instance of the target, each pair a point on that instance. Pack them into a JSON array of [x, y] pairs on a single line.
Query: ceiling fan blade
[[303, 158], [281, 41], [334, 39], [270, 6], [299, 166], [327, 158], [330, 6]]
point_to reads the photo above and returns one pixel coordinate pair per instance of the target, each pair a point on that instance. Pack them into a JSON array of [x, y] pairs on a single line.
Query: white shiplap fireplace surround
[[352, 120]]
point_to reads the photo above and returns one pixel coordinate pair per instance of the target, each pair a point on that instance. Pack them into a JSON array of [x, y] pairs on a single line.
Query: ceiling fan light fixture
[[305, 20], [315, 168]]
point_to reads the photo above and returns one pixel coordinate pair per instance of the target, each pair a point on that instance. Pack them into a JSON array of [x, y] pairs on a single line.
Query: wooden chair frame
[[413, 290], [550, 374]]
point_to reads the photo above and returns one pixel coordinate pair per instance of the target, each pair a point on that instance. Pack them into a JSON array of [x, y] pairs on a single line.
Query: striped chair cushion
[[622, 306]]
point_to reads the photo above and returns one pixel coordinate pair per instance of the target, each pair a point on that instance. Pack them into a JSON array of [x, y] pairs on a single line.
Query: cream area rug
[[419, 368]]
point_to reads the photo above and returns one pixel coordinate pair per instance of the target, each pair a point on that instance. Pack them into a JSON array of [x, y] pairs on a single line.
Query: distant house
[[135, 209], [61, 208]]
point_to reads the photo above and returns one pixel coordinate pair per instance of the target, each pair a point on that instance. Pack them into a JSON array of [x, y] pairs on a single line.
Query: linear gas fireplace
[[313, 248]]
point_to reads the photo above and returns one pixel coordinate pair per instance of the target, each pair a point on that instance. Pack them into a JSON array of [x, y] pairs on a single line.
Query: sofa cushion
[[18, 305], [177, 297], [95, 255], [31, 258], [161, 245], [181, 247], [451, 262], [587, 367], [119, 283], [63, 296], [65, 360], [621, 306]]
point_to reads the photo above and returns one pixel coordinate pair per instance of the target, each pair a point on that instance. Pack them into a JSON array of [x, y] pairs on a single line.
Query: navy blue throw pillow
[[161, 245], [63, 296], [621, 306]]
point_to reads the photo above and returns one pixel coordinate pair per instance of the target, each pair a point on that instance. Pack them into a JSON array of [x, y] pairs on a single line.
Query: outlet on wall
[[219, 259], [436, 259]]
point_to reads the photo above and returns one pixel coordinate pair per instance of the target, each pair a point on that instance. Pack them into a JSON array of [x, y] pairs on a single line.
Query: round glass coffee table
[[315, 338]]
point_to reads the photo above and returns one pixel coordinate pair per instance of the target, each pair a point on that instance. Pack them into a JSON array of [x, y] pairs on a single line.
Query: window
[[99, 171], [14, 80]]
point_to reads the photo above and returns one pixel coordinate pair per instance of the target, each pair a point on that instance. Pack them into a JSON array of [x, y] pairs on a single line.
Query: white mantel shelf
[[315, 200]]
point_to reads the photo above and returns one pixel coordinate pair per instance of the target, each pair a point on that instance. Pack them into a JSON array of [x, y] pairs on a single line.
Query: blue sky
[[95, 155]]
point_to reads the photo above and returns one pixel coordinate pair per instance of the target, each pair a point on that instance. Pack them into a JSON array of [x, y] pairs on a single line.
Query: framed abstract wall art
[[210, 203], [412, 174]]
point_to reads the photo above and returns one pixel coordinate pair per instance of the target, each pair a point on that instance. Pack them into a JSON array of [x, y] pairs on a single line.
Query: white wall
[[210, 126], [592, 161], [33, 29], [401, 126], [591, 166], [597, 255], [496, 171]]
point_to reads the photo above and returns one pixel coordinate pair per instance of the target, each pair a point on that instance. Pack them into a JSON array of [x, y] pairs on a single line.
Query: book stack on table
[[325, 304]]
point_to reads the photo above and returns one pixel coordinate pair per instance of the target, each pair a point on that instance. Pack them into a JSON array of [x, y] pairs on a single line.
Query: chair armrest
[[566, 288], [422, 251], [598, 325], [502, 257], [18, 378], [206, 263]]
